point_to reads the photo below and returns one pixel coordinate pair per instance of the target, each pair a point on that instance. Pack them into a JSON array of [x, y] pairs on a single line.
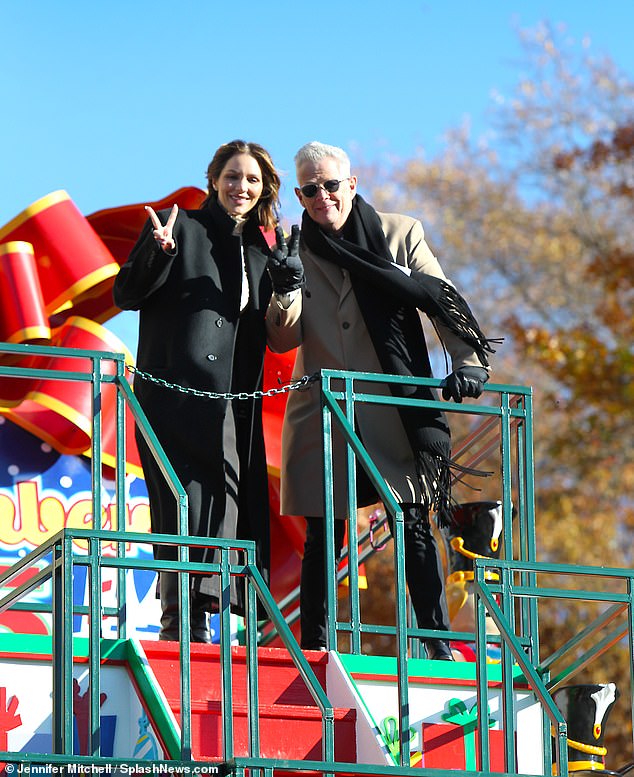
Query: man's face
[[329, 209]]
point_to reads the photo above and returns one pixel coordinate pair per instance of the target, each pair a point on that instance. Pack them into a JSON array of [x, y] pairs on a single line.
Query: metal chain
[[298, 385]]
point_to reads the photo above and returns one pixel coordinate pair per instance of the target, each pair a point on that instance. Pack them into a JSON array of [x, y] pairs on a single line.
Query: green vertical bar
[[508, 696], [507, 702], [66, 618], [121, 489], [94, 575], [329, 518], [561, 750], [353, 556], [548, 742], [94, 622], [482, 680], [225, 656], [184, 600], [401, 639], [95, 442], [507, 498], [251, 637], [58, 649], [522, 520], [530, 527]]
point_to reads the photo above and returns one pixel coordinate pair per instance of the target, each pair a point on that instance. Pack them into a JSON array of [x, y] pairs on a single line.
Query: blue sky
[[125, 101]]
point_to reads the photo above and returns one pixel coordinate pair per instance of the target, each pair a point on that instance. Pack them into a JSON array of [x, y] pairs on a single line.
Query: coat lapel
[[328, 273]]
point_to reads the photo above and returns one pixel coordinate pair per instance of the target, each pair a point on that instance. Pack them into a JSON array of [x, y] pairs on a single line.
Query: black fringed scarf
[[388, 299]]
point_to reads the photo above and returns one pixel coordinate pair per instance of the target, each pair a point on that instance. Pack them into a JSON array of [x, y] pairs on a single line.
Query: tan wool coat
[[327, 327]]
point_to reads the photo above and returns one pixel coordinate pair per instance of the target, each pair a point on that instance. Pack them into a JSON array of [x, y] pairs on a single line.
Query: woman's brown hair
[[267, 208]]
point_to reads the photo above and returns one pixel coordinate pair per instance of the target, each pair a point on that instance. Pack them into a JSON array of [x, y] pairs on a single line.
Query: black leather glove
[[465, 382], [285, 267]]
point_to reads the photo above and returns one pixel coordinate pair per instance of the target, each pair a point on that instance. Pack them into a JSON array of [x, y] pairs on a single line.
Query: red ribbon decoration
[[57, 269]]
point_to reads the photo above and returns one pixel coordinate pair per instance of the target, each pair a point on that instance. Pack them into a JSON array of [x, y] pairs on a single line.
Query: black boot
[[168, 586], [199, 618], [425, 579], [438, 650], [170, 617]]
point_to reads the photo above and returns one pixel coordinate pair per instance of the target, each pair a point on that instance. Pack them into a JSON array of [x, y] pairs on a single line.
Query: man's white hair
[[314, 152]]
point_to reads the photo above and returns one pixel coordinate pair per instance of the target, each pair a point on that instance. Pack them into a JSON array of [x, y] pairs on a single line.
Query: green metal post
[[225, 658], [120, 495], [508, 695], [329, 531], [401, 639], [95, 443], [94, 648], [251, 642], [58, 649], [66, 620], [353, 556]]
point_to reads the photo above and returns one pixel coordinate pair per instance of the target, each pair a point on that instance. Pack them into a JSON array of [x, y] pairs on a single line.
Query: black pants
[[423, 572]]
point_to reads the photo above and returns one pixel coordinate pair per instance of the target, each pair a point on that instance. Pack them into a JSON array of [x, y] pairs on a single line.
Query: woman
[[202, 281]]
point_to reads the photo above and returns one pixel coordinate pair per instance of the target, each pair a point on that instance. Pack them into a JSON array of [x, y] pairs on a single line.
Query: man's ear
[[353, 184], [299, 196]]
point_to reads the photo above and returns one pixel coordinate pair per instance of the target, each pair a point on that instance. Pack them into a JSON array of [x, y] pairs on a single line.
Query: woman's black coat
[[191, 333]]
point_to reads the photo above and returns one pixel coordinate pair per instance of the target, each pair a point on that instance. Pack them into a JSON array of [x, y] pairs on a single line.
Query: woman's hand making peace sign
[[163, 234]]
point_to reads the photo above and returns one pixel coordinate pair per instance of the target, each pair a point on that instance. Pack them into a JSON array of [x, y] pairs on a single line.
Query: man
[[367, 274]]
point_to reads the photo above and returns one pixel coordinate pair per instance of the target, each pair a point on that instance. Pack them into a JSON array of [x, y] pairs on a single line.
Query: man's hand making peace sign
[[163, 234]]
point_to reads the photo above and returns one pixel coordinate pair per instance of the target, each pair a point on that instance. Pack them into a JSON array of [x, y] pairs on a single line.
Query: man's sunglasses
[[310, 189]]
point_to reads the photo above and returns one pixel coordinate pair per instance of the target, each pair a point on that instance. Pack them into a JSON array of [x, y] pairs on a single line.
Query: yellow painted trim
[[31, 333], [41, 434], [590, 749], [16, 247], [62, 409], [96, 329], [95, 277], [577, 766], [457, 543], [460, 576], [415, 758], [583, 748], [466, 576], [37, 207]]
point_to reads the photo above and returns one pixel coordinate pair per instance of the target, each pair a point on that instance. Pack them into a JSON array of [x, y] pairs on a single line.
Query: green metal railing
[[507, 424], [61, 556], [514, 415], [56, 559], [520, 581], [503, 431]]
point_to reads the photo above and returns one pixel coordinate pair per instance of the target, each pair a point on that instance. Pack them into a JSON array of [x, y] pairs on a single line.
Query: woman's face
[[239, 185]]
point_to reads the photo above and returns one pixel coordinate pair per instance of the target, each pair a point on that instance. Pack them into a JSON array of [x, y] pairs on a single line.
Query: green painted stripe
[[41, 645], [155, 702], [385, 667]]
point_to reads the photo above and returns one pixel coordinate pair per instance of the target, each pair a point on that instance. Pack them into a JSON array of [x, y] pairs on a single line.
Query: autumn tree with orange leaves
[[535, 224]]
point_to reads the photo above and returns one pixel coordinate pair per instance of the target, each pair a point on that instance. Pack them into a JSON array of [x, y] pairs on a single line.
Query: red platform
[[290, 721]]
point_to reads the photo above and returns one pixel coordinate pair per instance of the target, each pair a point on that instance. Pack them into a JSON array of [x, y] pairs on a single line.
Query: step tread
[[290, 720], [279, 680], [214, 706]]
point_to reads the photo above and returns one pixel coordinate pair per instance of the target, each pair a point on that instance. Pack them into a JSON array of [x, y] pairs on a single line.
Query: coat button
[[346, 325], [211, 357], [219, 322], [307, 294]]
